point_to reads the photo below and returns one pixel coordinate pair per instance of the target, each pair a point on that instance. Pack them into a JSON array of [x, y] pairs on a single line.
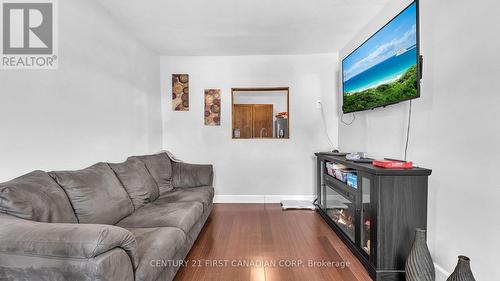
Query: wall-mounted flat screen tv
[[384, 69]]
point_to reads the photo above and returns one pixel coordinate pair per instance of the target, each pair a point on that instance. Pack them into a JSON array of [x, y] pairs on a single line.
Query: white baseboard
[[260, 198], [441, 273]]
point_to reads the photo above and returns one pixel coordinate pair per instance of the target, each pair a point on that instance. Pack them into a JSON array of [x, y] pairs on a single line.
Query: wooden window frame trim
[[263, 89]]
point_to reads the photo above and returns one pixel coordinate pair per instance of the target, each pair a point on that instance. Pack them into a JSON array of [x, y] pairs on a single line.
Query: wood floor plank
[[260, 242]]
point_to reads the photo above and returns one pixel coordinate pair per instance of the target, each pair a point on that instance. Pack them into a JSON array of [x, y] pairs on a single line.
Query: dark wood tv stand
[[377, 220]]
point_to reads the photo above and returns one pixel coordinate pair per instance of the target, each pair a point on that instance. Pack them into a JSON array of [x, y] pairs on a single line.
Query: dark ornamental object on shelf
[[419, 265], [462, 272]]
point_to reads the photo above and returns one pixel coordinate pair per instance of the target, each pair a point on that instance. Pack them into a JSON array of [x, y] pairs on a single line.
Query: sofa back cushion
[[139, 184], [37, 197], [96, 194], [160, 167]]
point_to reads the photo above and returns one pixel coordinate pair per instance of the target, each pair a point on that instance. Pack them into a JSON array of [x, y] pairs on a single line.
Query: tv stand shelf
[[376, 220]]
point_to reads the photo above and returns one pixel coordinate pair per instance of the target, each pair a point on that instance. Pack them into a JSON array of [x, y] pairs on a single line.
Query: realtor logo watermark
[[29, 34]]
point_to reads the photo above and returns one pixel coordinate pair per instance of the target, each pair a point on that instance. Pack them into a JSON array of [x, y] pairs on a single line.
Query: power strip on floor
[[297, 205]]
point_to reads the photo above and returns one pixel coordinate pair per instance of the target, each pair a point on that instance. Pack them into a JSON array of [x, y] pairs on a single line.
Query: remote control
[[364, 160]]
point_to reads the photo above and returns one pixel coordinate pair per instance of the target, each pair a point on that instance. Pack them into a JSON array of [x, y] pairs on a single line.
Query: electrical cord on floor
[[315, 203], [408, 130]]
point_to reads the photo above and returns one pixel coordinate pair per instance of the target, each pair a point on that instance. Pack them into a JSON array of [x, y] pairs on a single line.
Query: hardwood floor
[[263, 243]]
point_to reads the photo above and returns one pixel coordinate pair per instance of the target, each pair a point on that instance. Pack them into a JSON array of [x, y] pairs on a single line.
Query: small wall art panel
[[180, 92], [212, 107]]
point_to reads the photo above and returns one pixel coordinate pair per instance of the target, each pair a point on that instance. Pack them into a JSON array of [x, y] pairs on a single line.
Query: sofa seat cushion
[[96, 194], [182, 215], [36, 196], [160, 167], [202, 194], [156, 248], [139, 184]]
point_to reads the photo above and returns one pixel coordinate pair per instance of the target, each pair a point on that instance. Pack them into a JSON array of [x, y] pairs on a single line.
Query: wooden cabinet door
[[262, 120], [242, 120]]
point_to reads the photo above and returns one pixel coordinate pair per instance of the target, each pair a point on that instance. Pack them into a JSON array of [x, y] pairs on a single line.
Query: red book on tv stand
[[392, 164]]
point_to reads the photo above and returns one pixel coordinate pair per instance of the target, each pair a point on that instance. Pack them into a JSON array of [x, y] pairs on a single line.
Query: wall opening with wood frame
[[260, 113]]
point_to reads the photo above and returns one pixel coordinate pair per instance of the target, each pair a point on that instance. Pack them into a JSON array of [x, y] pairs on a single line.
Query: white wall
[[454, 130], [250, 170], [102, 104]]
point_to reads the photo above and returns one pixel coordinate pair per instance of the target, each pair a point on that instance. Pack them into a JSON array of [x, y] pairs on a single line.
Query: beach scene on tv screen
[[384, 69]]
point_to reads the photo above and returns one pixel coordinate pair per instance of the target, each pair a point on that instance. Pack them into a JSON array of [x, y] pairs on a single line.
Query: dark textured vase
[[462, 272], [419, 265]]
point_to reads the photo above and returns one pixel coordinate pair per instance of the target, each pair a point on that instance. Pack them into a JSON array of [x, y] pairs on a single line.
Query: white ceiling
[[237, 27]]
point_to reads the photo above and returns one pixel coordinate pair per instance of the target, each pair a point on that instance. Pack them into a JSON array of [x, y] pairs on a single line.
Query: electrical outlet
[[318, 104]]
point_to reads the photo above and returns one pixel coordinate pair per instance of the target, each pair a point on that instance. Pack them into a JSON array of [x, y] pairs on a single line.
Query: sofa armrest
[[113, 265], [62, 240], [192, 175]]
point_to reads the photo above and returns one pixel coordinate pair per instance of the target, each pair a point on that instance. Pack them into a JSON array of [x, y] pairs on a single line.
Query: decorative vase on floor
[[419, 265], [462, 272]]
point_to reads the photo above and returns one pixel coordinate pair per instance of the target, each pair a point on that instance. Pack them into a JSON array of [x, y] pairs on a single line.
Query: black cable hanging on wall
[[347, 123]]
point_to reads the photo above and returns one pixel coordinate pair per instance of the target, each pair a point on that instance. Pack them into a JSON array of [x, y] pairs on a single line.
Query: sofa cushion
[[156, 249], [36, 196], [139, 184], [64, 240], [96, 194], [182, 215], [202, 194], [160, 167]]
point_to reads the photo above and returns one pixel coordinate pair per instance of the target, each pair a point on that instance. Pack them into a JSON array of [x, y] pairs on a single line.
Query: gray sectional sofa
[[128, 221]]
